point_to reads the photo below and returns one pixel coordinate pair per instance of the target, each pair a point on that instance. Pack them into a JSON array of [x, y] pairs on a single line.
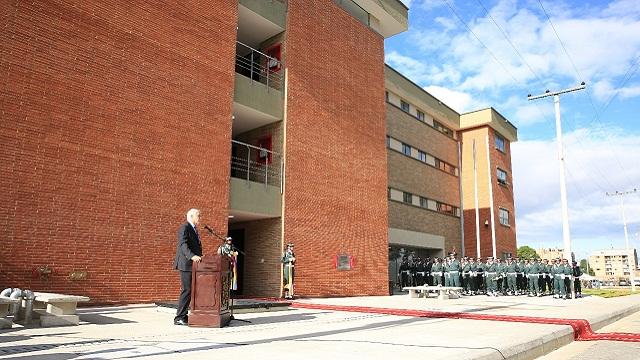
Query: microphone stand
[[213, 233]]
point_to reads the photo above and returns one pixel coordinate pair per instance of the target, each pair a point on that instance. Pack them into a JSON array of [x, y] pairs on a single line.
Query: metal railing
[[256, 164], [258, 66]]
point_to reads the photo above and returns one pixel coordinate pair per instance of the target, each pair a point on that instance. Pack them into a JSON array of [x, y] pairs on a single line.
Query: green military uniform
[[558, 281], [491, 274], [454, 273], [534, 277], [447, 275], [511, 271], [436, 271]]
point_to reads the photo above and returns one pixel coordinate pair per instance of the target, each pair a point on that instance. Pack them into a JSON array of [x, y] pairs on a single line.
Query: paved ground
[[603, 350], [141, 331]]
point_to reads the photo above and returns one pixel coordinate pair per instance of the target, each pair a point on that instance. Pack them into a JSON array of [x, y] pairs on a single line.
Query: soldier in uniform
[[521, 281], [548, 265], [577, 272], [445, 270], [511, 277], [289, 260], [227, 249], [473, 272], [436, 272], [558, 280], [567, 279], [534, 277], [419, 278], [454, 271], [491, 274], [404, 272], [480, 276], [427, 270], [500, 270], [466, 276]]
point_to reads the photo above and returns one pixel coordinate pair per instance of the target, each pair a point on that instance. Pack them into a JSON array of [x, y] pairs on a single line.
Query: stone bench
[[56, 309], [5, 305], [444, 292]]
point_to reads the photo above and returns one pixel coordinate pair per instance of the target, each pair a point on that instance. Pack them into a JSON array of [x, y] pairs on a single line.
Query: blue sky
[[510, 50]]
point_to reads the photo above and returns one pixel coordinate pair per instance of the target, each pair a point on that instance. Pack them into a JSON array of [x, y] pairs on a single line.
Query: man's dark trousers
[[185, 296]]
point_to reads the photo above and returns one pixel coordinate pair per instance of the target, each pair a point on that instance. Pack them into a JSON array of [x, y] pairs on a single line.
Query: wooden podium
[[210, 282]]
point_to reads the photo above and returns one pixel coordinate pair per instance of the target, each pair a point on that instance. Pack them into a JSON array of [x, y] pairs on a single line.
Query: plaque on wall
[[343, 262]]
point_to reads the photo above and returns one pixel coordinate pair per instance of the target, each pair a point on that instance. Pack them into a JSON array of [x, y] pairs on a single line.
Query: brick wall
[[262, 267], [407, 128], [407, 217], [503, 195], [335, 195], [116, 119]]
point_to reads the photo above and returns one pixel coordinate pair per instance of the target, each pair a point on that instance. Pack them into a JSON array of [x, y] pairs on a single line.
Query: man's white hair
[[192, 212]]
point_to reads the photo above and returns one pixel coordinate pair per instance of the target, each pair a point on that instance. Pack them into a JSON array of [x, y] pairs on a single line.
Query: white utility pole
[[563, 186], [631, 259]]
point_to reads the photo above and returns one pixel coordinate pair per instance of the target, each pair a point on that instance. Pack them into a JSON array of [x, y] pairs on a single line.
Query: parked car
[[623, 283]]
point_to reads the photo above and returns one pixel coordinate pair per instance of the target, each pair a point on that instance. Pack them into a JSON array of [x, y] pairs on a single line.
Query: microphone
[[208, 229]]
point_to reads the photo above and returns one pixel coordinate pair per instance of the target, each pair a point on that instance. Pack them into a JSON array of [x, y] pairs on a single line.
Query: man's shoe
[[180, 322]]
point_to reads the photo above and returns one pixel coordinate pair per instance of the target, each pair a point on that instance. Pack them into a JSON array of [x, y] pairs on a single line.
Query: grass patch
[[606, 293]]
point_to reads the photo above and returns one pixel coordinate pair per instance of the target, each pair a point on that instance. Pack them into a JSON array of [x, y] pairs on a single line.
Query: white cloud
[[623, 8], [602, 43], [597, 161], [458, 101]]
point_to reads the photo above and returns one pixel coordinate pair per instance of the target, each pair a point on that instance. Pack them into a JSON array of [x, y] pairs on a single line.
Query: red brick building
[[117, 118]]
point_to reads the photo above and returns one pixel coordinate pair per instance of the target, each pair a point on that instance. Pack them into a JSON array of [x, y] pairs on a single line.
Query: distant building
[[550, 253], [613, 264]]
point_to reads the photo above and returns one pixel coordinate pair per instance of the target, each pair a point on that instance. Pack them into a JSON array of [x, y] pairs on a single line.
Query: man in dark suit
[[189, 249]]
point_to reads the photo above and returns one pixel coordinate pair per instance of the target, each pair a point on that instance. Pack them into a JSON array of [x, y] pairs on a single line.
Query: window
[[502, 176], [500, 143], [446, 208], [424, 203], [422, 156], [386, 96], [504, 216], [404, 106], [443, 129], [407, 197], [420, 115], [445, 167], [406, 149]]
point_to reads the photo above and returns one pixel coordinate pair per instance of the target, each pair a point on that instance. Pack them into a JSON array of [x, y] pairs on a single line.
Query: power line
[[509, 41], [575, 68], [524, 61], [625, 78], [480, 41], [560, 40]]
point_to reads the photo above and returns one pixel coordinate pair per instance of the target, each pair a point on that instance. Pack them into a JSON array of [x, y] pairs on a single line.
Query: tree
[[584, 266], [527, 252]]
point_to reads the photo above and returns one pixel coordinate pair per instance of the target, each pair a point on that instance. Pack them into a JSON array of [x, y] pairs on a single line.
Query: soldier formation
[[494, 277]]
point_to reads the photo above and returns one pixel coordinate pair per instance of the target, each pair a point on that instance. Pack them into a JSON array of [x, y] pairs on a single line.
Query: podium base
[[211, 319]]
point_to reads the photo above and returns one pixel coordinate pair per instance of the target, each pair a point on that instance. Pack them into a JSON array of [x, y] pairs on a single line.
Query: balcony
[[258, 96], [256, 181]]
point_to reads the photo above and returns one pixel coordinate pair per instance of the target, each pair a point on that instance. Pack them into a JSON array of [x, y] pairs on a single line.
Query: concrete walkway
[[143, 332], [603, 350]]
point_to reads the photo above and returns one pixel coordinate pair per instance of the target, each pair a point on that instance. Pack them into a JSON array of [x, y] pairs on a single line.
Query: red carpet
[[581, 328]]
